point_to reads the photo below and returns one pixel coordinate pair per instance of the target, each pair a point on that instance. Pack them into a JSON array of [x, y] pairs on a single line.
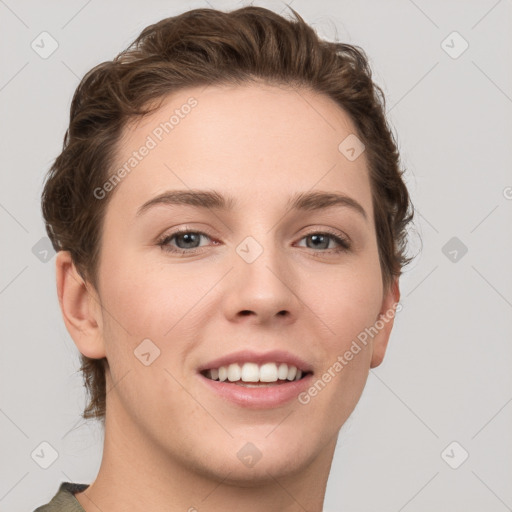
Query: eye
[[322, 240], [186, 241]]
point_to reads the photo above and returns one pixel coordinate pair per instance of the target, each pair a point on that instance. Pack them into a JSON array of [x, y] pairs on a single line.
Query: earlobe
[[385, 323], [80, 307]]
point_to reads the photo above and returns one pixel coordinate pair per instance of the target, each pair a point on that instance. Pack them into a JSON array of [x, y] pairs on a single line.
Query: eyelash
[[344, 244]]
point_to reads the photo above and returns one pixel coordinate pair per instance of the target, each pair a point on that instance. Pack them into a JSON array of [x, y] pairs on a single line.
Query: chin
[[256, 460]]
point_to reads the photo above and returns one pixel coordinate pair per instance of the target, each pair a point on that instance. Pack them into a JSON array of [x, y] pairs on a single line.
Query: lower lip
[[266, 397]]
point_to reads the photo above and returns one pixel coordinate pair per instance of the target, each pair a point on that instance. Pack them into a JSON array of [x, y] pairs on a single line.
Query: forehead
[[255, 140]]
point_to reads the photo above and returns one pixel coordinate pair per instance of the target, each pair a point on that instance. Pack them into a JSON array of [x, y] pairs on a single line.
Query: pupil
[[316, 238], [189, 238]]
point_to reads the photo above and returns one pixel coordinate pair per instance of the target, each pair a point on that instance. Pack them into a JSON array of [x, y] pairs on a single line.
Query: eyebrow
[[207, 199]]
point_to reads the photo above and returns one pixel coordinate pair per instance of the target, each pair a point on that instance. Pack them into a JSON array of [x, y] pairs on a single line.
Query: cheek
[[157, 303], [345, 364], [147, 300], [349, 300]]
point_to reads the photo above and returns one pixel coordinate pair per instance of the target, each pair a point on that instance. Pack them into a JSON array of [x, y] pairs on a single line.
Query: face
[[255, 275]]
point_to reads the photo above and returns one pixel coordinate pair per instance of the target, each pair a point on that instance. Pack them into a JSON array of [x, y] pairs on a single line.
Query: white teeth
[[268, 372], [282, 371], [234, 372], [252, 372]]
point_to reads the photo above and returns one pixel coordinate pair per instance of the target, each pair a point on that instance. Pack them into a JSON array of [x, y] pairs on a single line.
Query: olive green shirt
[[64, 500]]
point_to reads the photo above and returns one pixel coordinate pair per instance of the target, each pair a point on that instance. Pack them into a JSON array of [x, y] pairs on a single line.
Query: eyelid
[[344, 242], [163, 239], [335, 234]]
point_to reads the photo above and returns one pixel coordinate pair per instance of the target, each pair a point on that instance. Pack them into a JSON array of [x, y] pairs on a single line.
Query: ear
[[80, 307], [384, 323]]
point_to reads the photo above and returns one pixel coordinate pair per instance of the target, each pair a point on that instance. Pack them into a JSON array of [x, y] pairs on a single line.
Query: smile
[[242, 373]]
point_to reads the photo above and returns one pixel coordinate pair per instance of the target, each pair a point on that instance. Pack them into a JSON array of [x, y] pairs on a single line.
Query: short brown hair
[[200, 47]]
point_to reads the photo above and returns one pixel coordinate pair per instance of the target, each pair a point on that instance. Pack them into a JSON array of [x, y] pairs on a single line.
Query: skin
[[170, 443]]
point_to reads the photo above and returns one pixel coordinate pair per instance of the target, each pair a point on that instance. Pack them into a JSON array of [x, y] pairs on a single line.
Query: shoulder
[[64, 500]]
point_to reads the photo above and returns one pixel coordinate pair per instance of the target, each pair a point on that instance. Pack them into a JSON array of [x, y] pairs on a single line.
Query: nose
[[261, 290]]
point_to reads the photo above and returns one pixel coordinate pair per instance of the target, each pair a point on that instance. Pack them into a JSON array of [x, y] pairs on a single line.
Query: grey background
[[446, 376]]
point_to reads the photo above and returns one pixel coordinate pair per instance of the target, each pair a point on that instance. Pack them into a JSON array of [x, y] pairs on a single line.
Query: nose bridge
[[259, 260], [261, 278]]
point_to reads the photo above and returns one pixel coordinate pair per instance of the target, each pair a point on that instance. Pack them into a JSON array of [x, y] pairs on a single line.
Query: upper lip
[[249, 356]]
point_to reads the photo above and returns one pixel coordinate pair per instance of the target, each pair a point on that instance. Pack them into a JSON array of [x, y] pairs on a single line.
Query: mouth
[[257, 380], [253, 375]]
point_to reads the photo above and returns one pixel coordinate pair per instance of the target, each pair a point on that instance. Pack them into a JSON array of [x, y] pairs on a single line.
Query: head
[[253, 107]]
